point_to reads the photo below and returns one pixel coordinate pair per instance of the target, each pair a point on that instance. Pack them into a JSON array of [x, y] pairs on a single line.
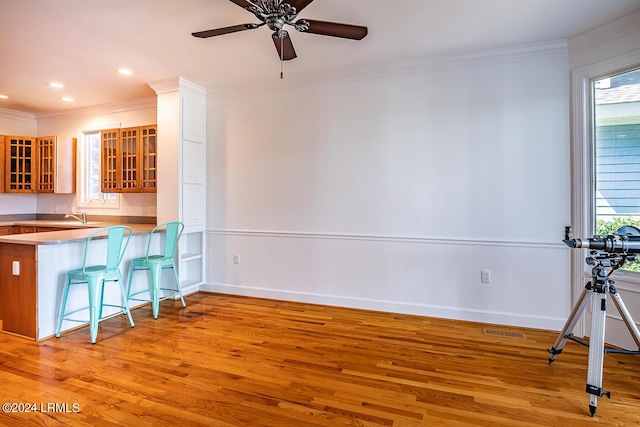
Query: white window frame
[[582, 167], [82, 201]]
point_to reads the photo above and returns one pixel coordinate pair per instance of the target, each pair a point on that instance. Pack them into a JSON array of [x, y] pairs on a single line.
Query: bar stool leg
[[155, 272], [175, 274], [94, 284], [125, 300]]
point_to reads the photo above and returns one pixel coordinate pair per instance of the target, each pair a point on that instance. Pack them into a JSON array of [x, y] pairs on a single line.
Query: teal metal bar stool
[[156, 263], [95, 277]]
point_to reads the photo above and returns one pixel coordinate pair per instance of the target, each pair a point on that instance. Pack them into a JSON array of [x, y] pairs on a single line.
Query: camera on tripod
[[624, 243]]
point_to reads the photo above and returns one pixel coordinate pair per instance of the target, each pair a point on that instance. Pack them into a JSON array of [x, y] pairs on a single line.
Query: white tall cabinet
[[181, 163]]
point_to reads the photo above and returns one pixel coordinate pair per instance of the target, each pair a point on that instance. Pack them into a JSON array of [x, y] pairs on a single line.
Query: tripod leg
[[626, 316], [596, 350], [578, 308]]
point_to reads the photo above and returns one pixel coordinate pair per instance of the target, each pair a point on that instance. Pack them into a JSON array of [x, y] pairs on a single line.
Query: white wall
[[17, 123], [393, 190]]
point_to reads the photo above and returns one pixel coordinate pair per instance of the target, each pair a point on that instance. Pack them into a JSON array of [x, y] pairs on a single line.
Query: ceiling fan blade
[[346, 31], [225, 30], [298, 4], [242, 3], [284, 46]]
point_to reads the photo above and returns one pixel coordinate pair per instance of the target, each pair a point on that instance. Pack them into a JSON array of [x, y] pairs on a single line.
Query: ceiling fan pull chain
[[281, 58]]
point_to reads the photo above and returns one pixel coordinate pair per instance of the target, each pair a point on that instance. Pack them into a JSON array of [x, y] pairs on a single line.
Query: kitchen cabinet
[[5, 230], [1, 164], [56, 164], [20, 164], [149, 154], [43, 229], [37, 165], [129, 163]]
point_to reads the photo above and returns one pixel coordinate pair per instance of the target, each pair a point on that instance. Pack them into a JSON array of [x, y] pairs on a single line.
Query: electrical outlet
[[236, 258], [15, 268], [485, 276]]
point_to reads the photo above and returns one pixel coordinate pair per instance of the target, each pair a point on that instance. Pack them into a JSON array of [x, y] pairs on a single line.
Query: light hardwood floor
[[238, 361]]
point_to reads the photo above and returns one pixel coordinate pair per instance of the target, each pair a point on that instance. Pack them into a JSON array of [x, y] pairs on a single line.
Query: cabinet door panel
[[129, 159], [109, 160], [148, 156], [2, 164], [21, 164], [46, 162]]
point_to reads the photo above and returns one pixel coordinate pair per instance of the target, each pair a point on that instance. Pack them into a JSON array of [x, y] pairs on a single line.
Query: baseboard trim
[[457, 313]]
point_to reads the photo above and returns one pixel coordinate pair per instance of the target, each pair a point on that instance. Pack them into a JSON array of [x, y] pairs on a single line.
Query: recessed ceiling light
[[67, 99], [4, 97], [125, 72], [56, 85]]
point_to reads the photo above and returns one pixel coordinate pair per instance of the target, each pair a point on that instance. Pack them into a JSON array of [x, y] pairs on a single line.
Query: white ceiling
[[81, 43]]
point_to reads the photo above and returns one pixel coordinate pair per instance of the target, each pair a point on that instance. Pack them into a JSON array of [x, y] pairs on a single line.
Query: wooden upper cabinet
[[148, 156], [109, 159], [129, 160], [20, 164], [37, 165], [1, 163], [56, 165]]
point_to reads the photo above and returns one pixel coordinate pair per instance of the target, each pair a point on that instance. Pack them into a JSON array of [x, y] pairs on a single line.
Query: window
[[616, 110], [90, 189]]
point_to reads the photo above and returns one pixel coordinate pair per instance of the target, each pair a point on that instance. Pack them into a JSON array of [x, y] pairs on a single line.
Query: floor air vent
[[501, 333]]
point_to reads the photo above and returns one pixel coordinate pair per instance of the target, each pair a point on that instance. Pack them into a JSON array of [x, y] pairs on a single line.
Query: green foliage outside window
[[608, 226]]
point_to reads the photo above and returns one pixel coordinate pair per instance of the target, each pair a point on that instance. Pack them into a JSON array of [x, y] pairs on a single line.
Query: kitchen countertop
[[77, 231]]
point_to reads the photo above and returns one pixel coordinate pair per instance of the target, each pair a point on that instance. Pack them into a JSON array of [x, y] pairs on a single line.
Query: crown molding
[[96, 110], [17, 115], [175, 84], [626, 26], [421, 65]]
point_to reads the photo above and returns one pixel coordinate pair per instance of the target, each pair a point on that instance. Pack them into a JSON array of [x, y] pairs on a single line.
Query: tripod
[[596, 290]]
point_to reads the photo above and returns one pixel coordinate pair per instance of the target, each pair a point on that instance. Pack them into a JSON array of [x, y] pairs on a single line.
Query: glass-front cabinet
[[129, 160], [37, 164], [56, 170], [20, 164], [148, 154]]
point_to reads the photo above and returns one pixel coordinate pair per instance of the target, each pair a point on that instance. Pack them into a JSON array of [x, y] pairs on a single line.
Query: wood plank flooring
[[238, 361]]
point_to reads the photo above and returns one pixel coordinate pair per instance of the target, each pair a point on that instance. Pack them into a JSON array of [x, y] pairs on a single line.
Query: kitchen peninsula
[[33, 268]]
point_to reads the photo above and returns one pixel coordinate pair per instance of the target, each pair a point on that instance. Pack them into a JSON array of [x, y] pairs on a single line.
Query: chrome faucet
[[82, 218]]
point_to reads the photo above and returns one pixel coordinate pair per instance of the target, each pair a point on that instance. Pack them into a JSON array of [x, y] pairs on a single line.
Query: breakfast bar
[[33, 265]]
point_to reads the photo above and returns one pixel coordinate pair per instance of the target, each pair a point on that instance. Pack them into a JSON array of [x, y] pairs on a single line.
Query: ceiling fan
[[278, 13]]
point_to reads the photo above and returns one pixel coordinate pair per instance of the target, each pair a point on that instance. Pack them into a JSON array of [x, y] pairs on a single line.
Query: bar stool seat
[[95, 277], [155, 263]]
